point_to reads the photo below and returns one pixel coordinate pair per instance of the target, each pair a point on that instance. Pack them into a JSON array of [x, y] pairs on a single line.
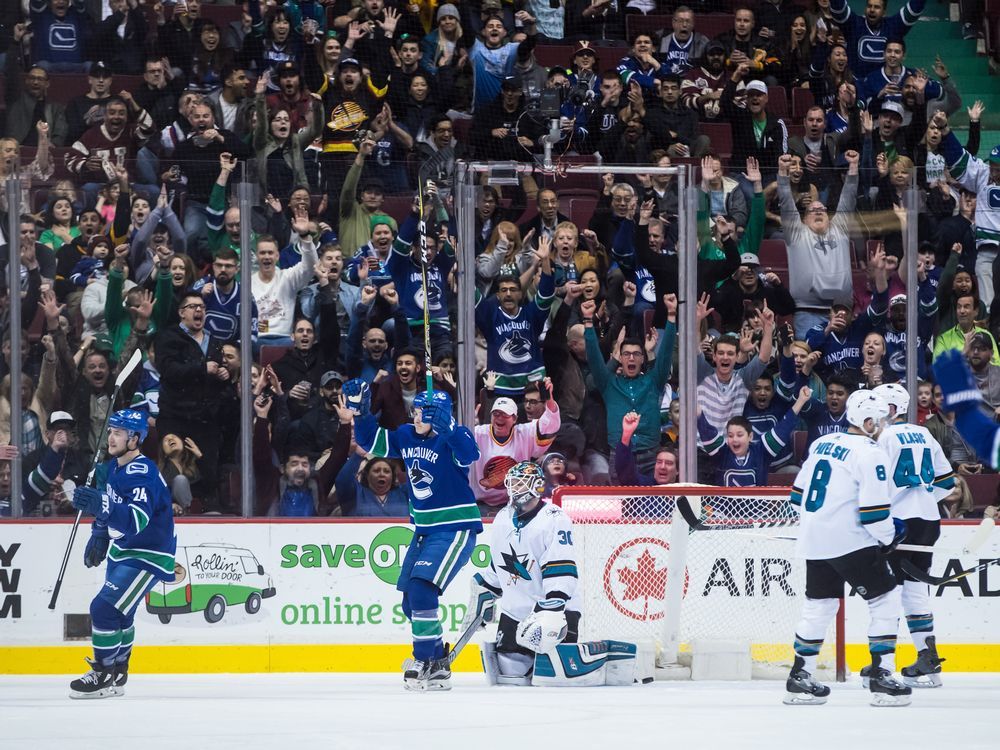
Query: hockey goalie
[[533, 573]]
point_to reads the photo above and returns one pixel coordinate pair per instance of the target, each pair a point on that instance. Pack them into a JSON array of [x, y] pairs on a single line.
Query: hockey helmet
[[895, 395], [525, 482], [132, 421], [435, 399], [864, 405]]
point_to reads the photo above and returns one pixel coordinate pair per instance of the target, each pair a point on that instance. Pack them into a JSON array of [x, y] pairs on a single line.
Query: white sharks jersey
[[533, 561], [842, 495], [919, 473]]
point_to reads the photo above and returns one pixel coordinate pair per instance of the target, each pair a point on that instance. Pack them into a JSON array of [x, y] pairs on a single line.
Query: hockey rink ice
[[372, 712]]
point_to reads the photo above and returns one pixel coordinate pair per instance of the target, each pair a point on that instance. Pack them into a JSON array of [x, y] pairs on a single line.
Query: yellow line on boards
[[963, 657], [366, 657]]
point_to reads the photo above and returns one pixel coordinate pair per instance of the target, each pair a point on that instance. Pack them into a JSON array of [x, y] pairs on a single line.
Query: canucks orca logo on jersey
[[516, 565], [433, 296], [516, 349], [420, 481]]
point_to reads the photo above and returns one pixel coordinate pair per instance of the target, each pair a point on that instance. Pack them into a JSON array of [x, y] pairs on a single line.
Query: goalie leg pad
[[572, 665]]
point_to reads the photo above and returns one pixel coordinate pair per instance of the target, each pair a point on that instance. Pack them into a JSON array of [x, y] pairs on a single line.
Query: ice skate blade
[[118, 692], [415, 685], [865, 682], [804, 699], [438, 685], [108, 692], [923, 681], [882, 699]]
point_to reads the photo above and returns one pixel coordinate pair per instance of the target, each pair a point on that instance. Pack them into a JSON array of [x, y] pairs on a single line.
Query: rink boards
[[280, 596]]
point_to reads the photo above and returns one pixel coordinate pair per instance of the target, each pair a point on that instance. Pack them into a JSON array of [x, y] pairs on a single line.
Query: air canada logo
[[635, 578], [516, 349]]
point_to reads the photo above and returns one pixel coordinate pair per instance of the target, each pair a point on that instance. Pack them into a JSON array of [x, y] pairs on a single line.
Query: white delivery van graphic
[[209, 578]]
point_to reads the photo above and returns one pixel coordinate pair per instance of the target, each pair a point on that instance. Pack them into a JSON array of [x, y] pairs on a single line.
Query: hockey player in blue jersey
[[741, 461], [962, 396], [437, 454], [133, 514], [868, 35]]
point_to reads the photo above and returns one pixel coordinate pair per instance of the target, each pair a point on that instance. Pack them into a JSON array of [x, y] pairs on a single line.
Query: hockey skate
[[866, 675], [121, 677], [886, 690], [925, 672], [99, 682], [802, 690], [423, 676]]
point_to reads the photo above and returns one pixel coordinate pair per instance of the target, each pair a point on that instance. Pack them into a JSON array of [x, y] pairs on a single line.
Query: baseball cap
[[583, 48], [994, 156], [286, 68], [329, 376], [749, 259], [103, 343], [981, 340], [759, 86], [58, 417], [894, 107], [99, 70], [349, 61], [446, 10], [897, 299], [373, 183], [512, 83], [505, 405], [715, 46]]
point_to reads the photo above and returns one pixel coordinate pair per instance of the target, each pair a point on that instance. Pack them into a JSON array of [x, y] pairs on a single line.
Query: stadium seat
[[795, 128], [462, 127], [398, 206], [802, 100], [580, 211], [777, 101], [64, 86], [799, 438], [773, 254], [721, 137], [554, 55], [991, 24], [270, 354], [983, 488], [221, 14]]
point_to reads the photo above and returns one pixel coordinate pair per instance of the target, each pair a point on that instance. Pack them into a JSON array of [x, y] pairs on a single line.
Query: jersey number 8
[[817, 486]]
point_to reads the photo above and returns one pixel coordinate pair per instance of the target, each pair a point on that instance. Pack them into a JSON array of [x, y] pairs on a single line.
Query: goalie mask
[[525, 483]]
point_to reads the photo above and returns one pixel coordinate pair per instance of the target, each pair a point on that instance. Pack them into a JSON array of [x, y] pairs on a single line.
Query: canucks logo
[[872, 49], [993, 197], [433, 296], [420, 481], [516, 350], [516, 565]]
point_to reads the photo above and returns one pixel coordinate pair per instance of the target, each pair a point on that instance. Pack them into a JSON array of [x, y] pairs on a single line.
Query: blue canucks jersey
[[865, 45], [140, 517], [438, 471]]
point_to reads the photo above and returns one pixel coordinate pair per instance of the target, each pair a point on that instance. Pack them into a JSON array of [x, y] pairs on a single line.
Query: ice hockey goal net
[[739, 582]]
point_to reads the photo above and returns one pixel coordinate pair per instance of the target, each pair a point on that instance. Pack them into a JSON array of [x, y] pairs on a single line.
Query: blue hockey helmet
[[437, 399], [130, 420]]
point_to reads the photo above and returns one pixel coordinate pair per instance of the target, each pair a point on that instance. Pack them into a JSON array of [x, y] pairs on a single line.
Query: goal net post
[[646, 576]]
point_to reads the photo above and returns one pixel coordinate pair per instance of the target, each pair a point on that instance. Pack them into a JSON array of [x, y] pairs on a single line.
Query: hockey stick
[[422, 230], [124, 375], [912, 570], [977, 539]]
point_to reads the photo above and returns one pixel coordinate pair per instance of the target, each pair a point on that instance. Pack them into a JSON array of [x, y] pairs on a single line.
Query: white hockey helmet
[[895, 395], [525, 482], [864, 405]]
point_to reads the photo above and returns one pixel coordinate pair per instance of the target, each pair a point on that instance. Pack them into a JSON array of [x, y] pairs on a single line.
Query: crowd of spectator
[[349, 118]]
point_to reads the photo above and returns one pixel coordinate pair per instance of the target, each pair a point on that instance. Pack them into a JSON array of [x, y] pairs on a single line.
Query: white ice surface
[[293, 711]]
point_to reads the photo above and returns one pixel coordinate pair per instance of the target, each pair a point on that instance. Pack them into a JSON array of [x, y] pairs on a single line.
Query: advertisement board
[[291, 596]]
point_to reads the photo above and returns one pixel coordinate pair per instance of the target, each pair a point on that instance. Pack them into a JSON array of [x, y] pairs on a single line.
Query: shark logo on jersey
[[516, 350], [516, 565], [420, 481]]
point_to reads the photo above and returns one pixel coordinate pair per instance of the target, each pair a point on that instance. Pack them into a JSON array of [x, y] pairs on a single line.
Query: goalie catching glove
[[542, 631]]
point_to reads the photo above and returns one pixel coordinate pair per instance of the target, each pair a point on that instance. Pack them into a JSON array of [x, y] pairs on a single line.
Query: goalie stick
[[124, 375], [977, 539]]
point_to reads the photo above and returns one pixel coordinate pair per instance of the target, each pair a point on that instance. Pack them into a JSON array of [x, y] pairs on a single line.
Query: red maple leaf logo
[[646, 580]]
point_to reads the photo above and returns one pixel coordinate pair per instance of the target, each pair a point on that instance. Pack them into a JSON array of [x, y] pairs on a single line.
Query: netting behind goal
[[739, 584]]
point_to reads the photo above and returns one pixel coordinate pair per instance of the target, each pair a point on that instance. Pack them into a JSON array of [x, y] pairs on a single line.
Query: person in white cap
[[503, 442], [55, 469]]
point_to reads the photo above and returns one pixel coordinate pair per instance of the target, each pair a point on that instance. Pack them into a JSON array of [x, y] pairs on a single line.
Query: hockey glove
[[899, 526], [97, 545], [442, 422], [358, 396], [957, 383], [90, 500], [542, 631]]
